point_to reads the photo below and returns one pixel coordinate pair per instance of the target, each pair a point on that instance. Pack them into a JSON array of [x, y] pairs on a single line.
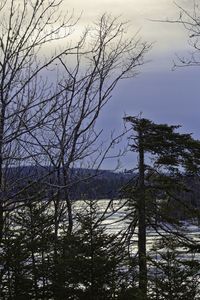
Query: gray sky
[[158, 92]]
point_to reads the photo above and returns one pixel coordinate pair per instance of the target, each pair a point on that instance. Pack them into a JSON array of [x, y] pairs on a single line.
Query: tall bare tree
[[27, 29], [49, 120], [69, 138]]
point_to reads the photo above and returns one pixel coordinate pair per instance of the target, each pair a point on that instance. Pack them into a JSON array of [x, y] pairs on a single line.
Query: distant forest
[[94, 184]]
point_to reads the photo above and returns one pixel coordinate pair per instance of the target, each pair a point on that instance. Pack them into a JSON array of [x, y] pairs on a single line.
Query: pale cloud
[[167, 37]]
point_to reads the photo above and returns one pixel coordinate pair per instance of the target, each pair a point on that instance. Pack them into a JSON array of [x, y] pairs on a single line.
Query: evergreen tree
[[164, 155], [91, 261], [27, 246], [175, 276]]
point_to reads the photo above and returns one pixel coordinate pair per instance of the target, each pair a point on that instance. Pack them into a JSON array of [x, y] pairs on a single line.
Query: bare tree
[[51, 122], [189, 16], [27, 29], [69, 138], [49, 106]]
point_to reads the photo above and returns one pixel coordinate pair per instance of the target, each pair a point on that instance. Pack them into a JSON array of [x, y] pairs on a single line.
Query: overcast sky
[[158, 92]]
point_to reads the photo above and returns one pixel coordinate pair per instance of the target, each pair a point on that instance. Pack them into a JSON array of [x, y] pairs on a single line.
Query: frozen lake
[[116, 221]]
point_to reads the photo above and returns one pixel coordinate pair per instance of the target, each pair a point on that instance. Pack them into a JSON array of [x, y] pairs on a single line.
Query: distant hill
[[83, 183], [99, 184], [93, 184]]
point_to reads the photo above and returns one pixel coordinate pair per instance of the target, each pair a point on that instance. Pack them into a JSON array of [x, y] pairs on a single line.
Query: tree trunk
[[142, 221], [2, 119], [67, 199]]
